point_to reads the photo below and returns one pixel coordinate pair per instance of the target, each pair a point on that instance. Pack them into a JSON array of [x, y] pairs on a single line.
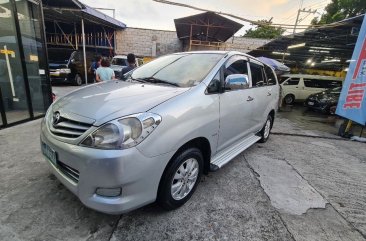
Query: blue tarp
[[352, 102], [278, 67]]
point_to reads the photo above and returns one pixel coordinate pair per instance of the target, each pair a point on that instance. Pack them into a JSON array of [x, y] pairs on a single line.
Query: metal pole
[[84, 53], [76, 40], [297, 19]]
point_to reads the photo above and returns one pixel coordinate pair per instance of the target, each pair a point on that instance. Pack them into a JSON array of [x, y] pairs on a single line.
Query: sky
[[154, 15]]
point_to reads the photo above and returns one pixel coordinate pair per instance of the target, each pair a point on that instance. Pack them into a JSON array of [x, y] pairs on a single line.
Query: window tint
[[238, 66], [214, 85], [258, 79], [313, 83], [283, 79], [333, 84], [271, 78], [184, 70], [292, 81]]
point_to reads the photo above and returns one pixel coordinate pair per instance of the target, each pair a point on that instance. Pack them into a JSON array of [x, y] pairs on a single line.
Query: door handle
[[250, 98], [269, 94]]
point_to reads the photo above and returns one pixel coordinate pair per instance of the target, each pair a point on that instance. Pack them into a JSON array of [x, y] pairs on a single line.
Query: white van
[[120, 61], [298, 87]]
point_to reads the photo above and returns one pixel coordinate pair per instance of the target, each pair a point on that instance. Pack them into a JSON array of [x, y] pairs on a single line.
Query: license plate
[[310, 103], [49, 153]]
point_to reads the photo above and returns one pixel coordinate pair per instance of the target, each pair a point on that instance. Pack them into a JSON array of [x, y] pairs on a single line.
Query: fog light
[[109, 192]]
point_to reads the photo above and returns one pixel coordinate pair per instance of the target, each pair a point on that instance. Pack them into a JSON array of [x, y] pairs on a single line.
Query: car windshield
[[336, 90], [183, 70], [59, 55], [119, 61]]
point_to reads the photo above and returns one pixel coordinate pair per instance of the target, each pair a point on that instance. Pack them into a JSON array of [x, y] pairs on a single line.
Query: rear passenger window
[[292, 81], [271, 78], [313, 83], [258, 78]]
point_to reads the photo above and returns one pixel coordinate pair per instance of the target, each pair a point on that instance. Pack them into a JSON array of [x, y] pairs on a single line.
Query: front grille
[[68, 128], [70, 172]]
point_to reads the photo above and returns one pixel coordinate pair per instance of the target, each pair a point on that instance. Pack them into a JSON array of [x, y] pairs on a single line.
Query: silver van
[[120, 145]]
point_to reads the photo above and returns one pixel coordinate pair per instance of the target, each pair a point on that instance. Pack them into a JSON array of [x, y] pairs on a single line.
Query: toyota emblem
[[56, 118]]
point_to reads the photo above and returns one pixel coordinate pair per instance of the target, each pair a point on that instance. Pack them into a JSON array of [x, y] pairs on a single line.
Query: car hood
[[324, 96], [106, 101]]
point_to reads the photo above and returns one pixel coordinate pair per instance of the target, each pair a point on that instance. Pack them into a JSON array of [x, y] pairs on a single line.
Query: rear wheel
[[78, 80], [289, 99], [180, 179], [266, 130]]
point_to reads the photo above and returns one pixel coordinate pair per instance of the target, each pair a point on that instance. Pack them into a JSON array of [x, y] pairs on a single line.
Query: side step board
[[225, 156]]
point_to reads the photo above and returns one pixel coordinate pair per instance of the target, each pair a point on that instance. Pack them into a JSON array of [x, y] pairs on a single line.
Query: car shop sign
[[352, 102]]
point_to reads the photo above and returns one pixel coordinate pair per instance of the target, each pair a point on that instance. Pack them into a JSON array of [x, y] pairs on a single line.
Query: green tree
[[338, 10], [264, 31]]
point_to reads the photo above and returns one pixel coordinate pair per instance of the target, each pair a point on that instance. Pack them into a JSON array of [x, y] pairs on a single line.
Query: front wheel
[[289, 99], [180, 179], [78, 80], [266, 130]]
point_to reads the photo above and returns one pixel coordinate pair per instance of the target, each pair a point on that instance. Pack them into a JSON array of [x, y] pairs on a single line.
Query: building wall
[[147, 42], [154, 43]]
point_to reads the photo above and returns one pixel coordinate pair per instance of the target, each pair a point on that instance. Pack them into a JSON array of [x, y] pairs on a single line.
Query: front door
[[235, 106]]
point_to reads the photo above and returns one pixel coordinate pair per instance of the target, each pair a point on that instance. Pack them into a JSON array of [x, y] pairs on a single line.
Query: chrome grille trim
[[70, 172], [68, 128]]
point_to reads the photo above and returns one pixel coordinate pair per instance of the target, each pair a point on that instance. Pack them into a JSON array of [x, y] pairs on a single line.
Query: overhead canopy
[[328, 47], [70, 11], [206, 26]]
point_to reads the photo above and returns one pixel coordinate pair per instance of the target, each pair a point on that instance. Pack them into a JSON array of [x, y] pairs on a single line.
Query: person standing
[[104, 72], [131, 61], [94, 66]]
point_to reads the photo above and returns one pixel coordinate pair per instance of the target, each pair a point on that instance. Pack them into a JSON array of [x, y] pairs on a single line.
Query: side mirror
[[237, 82]]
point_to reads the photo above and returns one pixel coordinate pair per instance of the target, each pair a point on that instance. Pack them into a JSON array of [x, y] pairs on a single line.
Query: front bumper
[[129, 169]]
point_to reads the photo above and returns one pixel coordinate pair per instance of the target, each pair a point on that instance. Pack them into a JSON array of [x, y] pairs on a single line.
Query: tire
[[184, 185], [78, 80], [289, 99], [266, 130], [332, 110]]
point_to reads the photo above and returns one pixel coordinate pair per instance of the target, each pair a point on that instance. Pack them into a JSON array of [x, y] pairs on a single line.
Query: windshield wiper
[[138, 80], [155, 80]]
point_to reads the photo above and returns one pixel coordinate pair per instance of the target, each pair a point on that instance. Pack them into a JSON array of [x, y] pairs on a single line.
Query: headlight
[[123, 133], [64, 71]]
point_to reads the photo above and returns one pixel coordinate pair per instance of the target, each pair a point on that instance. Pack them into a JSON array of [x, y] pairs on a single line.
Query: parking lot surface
[[297, 186]]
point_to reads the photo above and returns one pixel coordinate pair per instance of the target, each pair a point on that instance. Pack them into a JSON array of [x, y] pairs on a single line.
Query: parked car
[[325, 101], [119, 145], [120, 61], [298, 87], [67, 66]]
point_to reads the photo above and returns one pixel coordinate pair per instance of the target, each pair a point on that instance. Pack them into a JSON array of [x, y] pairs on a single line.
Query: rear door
[[236, 106], [261, 94]]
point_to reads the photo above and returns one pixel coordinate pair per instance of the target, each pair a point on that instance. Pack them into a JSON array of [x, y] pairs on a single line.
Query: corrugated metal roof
[[72, 10]]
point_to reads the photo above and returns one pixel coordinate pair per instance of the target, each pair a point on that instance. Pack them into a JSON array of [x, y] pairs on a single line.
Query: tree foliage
[[264, 31], [338, 10]]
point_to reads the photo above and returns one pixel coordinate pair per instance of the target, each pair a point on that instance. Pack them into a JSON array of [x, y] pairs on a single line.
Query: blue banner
[[352, 102]]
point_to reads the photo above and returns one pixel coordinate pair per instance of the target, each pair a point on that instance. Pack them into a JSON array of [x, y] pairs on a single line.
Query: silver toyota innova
[[119, 145]]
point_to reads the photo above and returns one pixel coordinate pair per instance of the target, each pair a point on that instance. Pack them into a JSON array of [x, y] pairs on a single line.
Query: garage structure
[[72, 24], [324, 50], [205, 31]]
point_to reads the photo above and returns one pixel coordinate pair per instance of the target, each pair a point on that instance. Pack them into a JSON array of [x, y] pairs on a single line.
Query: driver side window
[[236, 65]]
